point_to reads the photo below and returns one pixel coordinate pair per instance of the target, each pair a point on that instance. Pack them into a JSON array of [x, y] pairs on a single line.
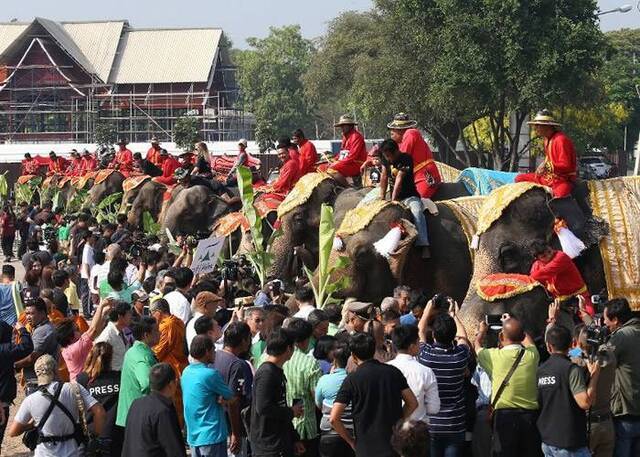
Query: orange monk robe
[[170, 349]]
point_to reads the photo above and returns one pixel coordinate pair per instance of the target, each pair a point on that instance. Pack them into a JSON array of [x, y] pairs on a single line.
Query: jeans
[[417, 210], [627, 436], [212, 450], [332, 445], [7, 246], [552, 451], [450, 445], [85, 298]]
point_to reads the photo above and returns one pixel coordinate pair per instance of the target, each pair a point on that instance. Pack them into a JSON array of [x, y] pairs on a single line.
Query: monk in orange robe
[[170, 348]]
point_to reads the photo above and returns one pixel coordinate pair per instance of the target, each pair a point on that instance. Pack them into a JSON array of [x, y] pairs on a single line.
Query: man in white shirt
[[421, 379], [306, 302], [113, 333], [179, 305], [88, 261]]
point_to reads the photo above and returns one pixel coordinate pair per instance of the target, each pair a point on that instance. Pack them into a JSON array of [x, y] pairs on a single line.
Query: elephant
[[504, 248], [98, 192], [148, 197], [448, 270], [298, 240]]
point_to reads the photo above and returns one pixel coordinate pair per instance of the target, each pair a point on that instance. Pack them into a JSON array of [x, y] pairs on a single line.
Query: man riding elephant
[[169, 165], [558, 170], [57, 165], [399, 172], [289, 175], [308, 153], [425, 171], [153, 154], [75, 166], [123, 160], [30, 166], [353, 152], [89, 163]]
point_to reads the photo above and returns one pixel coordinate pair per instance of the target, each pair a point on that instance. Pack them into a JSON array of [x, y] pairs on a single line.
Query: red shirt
[[353, 153], [124, 160], [89, 163], [308, 157], [169, 166], [560, 158], [75, 168], [30, 167], [59, 165], [294, 153], [153, 156], [289, 175], [560, 276], [413, 144]]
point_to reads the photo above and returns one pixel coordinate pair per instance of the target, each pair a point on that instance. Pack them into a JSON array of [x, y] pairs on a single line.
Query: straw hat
[[544, 117], [345, 119], [155, 140], [401, 121]]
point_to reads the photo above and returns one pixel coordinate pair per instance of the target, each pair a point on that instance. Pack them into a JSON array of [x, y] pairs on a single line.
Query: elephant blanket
[[25, 178], [500, 286], [466, 210], [480, 181], [102, 175], [617, 201], [82, 182], [229, 223], [301, 192], [360, 217], [447, 172], [133, 182]]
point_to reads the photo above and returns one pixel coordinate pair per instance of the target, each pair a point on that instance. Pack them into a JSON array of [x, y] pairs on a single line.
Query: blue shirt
[[203, 415], [408, 319], [7, 305], [328, 387], [449, 363]]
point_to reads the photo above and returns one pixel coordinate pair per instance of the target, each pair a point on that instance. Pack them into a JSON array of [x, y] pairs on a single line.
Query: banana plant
[[107, 209], [25, 192], [75, 202], [260, 258], [324, 289], [149, 226]]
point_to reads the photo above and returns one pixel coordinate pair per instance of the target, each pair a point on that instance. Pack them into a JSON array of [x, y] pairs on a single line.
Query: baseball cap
[[45, 368]]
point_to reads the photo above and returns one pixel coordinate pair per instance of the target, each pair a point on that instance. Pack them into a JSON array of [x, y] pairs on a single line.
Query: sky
[[238, 18]]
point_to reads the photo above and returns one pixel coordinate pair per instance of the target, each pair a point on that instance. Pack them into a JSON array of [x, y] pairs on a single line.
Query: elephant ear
[[512, 258]]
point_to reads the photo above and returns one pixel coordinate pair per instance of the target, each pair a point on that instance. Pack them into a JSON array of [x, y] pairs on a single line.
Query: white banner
[[206, 255]]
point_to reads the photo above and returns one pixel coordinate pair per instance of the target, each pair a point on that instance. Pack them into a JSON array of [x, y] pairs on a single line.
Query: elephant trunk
[[283, 250]]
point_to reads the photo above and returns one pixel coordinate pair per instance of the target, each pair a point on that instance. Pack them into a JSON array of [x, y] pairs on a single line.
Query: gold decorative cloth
[[228, 224], [102, 176], [82, 182], [466, 210], [499, 200], [301, 192], [360, 217], [500, 286], [447, 172], [617, 201], [133, 182]]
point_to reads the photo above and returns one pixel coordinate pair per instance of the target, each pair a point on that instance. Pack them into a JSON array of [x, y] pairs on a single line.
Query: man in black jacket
[[564, 395], [10, 352], [152, 428], [272, 433]]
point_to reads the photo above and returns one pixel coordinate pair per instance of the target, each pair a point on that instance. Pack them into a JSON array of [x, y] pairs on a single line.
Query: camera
[[596, 337], [441, 302], [49, 233], [229, 270]]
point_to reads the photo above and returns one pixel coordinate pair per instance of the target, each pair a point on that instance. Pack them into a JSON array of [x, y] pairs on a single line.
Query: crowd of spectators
[[124, 351]]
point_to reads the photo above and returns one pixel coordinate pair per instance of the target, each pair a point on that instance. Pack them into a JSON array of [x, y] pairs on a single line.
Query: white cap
[[243, 142]]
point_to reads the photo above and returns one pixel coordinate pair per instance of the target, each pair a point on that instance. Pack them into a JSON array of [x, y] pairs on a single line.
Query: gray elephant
[[504, 248], [448, 270], [148, 198], [98, 192]]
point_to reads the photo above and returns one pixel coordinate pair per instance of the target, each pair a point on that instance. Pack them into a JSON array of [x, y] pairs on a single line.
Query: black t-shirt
[[203, 166], [105, 388], [404, 163], [375, 392], [237, 374], [60, 301]]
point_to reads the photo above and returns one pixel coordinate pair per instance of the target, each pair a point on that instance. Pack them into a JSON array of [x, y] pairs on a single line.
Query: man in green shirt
[[515, 414], [138, 360], [303, 372]]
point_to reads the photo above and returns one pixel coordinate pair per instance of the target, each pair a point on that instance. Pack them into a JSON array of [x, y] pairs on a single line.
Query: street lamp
[[620, 9]]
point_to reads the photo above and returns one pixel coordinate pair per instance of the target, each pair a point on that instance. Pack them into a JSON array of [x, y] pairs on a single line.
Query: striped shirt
[[303, 372], [449, 363]]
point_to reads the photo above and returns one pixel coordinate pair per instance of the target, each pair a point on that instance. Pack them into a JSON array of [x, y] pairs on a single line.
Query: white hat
[[243, 142]]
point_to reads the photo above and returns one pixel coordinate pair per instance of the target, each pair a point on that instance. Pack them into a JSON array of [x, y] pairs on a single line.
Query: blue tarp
[[480, 181]]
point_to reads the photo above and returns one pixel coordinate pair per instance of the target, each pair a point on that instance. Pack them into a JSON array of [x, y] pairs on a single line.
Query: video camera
[[597, 336]]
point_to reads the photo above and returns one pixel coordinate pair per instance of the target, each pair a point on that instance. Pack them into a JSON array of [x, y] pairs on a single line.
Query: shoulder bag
[[31, 438], [504, 384]]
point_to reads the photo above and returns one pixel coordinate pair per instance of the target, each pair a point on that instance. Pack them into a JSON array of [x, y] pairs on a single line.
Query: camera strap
[[505, 381]]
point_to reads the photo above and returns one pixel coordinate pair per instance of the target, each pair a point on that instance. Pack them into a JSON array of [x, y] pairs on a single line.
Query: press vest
[[562, 423]]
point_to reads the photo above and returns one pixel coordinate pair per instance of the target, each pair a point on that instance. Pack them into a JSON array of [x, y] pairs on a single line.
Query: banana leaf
[[149, 226], [4, 186]]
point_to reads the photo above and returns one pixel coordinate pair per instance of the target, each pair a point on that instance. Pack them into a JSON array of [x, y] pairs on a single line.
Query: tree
[[270, 80], [105, 134], [185, 132]]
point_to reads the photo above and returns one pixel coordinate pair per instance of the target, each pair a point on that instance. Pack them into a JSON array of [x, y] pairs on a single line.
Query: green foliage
[[105, 134], [324, 289], [56, 198], [270, 78], [107, 210], [4, 186], [260, 258], [26, 192], [77, 200], [185, 133], [149, 226]]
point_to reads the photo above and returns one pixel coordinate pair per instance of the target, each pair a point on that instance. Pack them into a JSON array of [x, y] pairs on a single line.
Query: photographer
[[600, 424], [625, 395], [512, 369]]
